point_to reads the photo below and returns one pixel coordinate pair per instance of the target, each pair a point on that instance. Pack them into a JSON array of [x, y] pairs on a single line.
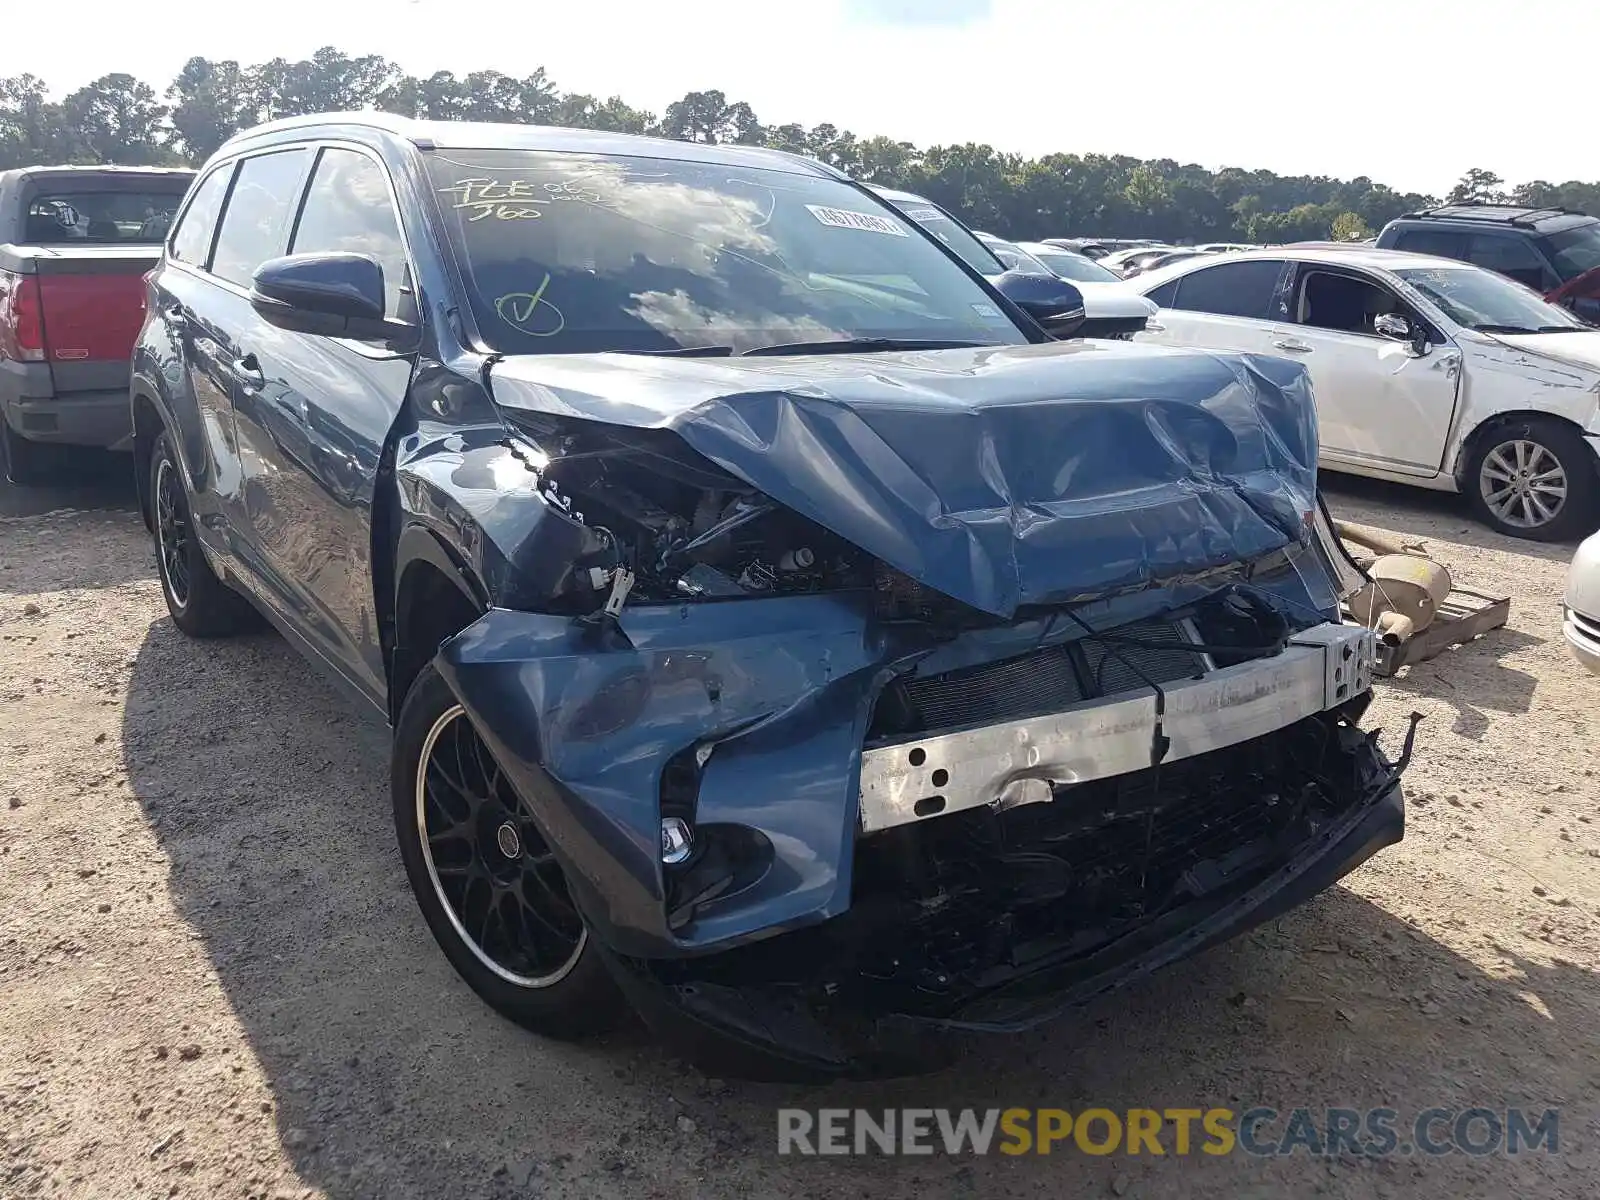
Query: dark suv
[[778, 626], [1544, 248]]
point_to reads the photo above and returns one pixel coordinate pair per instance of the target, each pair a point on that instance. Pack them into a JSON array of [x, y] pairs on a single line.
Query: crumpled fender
[[584, 723]]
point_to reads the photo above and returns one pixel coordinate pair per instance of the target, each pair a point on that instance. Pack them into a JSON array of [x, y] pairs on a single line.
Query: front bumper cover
[[753, 1034]]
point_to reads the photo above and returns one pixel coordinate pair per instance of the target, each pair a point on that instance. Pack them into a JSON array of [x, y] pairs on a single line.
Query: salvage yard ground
[[214, 980]]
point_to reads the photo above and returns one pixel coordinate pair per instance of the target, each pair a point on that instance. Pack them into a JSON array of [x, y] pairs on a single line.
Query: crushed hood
[[1001, 477]]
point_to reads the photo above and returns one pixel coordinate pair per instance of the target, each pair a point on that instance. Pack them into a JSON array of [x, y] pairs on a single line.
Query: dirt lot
[[214, 982]]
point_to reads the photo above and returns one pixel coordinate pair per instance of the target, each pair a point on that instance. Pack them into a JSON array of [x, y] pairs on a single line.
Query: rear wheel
[[489, 888], [201, 604], [1535, 479]]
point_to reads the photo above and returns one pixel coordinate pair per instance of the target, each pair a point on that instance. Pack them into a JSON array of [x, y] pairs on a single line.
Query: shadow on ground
[[1505, 690], [1425, 514], [269, 797], [82, 479]]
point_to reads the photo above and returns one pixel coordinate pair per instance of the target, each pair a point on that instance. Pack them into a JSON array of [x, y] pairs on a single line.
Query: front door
[[316, 412], [1379, 405]]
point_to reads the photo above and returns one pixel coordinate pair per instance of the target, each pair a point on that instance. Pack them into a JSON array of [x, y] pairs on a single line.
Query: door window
[[1345, 303], [1236, 289], [255, 225], [1515, 258], [349, 209], [192, 241]]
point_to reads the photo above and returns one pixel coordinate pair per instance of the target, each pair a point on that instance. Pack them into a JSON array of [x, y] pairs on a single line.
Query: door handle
[[1293, 345], [248, 371]]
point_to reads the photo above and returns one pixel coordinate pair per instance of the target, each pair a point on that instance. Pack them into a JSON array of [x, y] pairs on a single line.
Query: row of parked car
[[775, 599]]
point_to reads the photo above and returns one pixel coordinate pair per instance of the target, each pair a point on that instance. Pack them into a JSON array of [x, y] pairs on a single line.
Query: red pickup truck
[[75, 243]]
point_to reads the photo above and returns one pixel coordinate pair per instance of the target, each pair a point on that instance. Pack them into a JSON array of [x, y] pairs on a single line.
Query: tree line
[[119, 118]]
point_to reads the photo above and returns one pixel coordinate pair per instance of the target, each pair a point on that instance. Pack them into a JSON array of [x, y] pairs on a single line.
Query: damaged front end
[[861, 702]]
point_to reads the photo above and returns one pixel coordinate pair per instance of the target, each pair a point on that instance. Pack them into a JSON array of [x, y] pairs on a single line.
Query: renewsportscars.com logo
[[1264, 1132]]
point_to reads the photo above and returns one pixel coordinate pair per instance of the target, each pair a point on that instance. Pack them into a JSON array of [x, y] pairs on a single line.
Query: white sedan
[[1425, 371], [1580, 610]]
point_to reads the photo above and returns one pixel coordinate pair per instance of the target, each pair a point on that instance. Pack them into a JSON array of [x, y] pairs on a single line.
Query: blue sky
[[1411, 94]]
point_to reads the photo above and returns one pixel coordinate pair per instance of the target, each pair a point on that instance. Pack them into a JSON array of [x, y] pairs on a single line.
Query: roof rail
[[1526, 214]]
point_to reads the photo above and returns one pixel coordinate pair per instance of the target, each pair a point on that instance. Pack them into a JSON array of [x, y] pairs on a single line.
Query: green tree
[[32, 128], [709, 117], [118, 119], [1477, 186], [613, 115], [208, 103], [1349, 227]]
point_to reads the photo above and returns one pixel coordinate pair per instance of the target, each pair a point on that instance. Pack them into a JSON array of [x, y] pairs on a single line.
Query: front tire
[[489, 888], [201, 605], [1535, 479]]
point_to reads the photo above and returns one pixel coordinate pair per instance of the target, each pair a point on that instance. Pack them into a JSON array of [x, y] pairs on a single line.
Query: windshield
[[962, 242], [1075, 267], [1575, 251], [578, 254], [65, 218], [1485, 301]]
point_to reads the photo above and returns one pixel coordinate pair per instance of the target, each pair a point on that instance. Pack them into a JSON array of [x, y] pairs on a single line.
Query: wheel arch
[[435, 596], [1497, 423], [149, 422]]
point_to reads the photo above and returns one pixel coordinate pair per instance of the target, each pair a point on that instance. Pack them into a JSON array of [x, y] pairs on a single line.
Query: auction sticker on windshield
[[844, 218]]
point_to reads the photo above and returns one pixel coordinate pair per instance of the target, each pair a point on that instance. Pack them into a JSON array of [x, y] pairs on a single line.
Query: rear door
[[181, 296], [316, 412], [1379, 405], [1228, 305], [254, 227]]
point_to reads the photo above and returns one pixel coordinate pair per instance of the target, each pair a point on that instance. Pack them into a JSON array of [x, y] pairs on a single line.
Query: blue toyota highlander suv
[[781, 631]]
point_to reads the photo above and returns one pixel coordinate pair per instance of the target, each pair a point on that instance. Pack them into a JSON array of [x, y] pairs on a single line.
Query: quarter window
[[192, 241], [1237, 289], [1432, 241], [255, 225], [349, 209]]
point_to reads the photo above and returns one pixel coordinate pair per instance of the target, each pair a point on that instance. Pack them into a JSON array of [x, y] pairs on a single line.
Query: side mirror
[[1398, 329], [1054, 303], [332, 295]]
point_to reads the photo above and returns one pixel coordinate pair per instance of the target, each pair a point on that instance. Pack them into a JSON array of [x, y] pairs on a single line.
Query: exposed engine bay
[[683, 530]]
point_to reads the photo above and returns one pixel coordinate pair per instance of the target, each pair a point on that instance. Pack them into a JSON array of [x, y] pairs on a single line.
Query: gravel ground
[[214, 981]]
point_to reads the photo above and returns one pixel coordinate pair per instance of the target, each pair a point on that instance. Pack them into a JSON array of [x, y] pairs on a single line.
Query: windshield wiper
[[686, 352], [1504, 329], [865, 345]]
